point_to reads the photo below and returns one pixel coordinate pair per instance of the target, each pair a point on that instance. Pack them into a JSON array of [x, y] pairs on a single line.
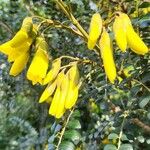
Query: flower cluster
[[125, 37], [17, 49], [62, 84], [62, 88]]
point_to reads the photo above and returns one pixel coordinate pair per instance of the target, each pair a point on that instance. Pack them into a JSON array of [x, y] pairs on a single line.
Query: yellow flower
[[19, 64], [135, 42], [17, 48], [14, 52], [95, 30], [21, 42], [125, 35], [57, 94], [38, 67], [48, 92], [120, 33], [51, 75], [73, 87], [63, 93], [107, 56], [66, 93]]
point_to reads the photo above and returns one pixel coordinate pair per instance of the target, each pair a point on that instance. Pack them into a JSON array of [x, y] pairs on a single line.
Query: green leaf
[[124, 138], [74, 124], [66, 145], [51, 146], [144, 5], [126, 147], [141, 139], [144, 102], [110, 147], [112, 136], [148, 141], [72, 135], [57, 128], [76, 114], [79, 2]]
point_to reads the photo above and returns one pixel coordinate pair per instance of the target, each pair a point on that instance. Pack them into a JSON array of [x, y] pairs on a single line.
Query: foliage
[[106, 115]]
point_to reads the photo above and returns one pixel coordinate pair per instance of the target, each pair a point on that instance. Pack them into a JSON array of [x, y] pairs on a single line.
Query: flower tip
[[91, 45], [33, 82], [41, 100], [12, 73], [58, 116]]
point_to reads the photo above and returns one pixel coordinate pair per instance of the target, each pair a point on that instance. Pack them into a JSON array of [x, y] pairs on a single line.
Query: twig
[[121, 130], [78, 59], [65, 66], [58, 24], [70, 57], [71, 17], [139, 123], [142, 84], [63, 130], [6, 27]]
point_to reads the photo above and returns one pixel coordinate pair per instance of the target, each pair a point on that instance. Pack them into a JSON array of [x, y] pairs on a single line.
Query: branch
[[58, 24], [6, 27], [71, 17], [139, 123], [142, 84], [121, 130]]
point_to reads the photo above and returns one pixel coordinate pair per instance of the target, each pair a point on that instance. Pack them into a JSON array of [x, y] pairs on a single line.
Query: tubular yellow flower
[[51, 75], [20, 42], [73, 87], [48, 92], [125, 35], [72, 95], [135, 42], [95, 30], [63, 93], [27, 25], [120, 33], [15, 51], [20, 37], [38, 67], [41, 43], [19, 64], [23, 35], [17, 48], [107, 56], [55, 101], [125, 20], [56, 98]]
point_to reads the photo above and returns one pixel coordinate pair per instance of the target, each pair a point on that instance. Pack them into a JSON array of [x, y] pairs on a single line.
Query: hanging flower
[[53, 72], [126, 36], [17, 49], [39, 65], [107, 56], [95, 30], [73, 87]]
